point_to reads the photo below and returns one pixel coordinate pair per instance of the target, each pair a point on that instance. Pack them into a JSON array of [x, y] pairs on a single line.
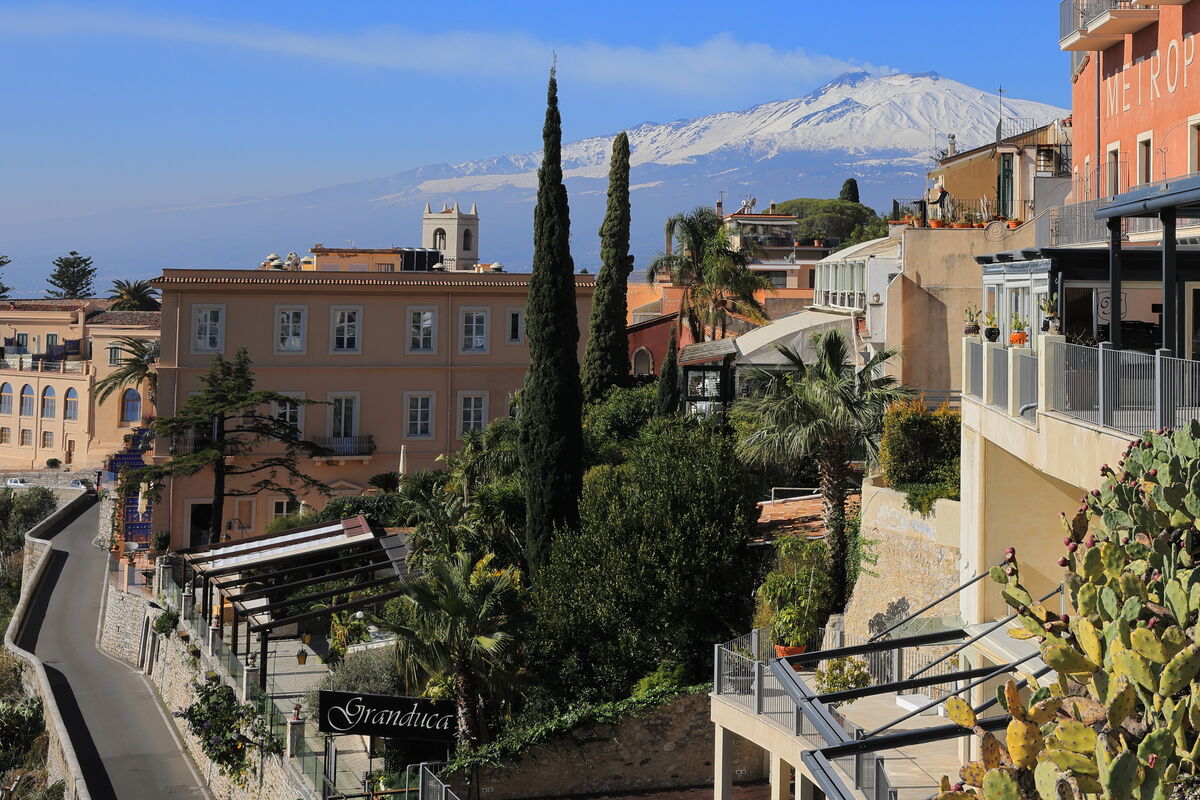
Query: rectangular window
[[420, 415], [207, 328], [281, 507], [47, 439], [51, 340], [344, 419], [1144, 158], [289, 329], [421, 330], [516, 326], [114, 356], [291, 413], [71, 405], [23, 340], [1114, 172], [345, 324], [474, 332], [26, 437], [472, 413], [5, 435], [387, 267]]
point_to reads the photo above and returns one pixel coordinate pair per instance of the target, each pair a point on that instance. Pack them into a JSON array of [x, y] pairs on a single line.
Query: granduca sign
[[387, 716]]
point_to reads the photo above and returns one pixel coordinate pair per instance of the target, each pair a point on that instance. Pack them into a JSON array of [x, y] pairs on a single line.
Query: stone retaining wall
[[124, 624], [669, 748], [917, 560]]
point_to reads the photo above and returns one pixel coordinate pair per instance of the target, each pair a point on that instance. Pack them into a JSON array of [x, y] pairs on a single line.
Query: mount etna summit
[[881, 130]]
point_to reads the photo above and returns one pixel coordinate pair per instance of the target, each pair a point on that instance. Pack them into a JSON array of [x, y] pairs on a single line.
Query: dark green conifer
[[668, 383], [552, 401], [849, 190], [606, 361]]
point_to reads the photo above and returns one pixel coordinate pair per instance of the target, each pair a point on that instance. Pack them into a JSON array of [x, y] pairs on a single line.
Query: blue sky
[[113, 105]]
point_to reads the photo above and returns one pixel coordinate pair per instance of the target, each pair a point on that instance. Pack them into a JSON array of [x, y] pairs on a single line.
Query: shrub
[[917, 442], [669, 674], [20, 724], [611, 423], [26, 509], [920, 497], [842, 674], [53, 463], [162, 540], [794, 596], [166, 622]]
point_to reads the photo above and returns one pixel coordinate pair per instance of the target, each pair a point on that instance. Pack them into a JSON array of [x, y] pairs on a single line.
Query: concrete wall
[[917, 558], [61, 763], [669, 748]]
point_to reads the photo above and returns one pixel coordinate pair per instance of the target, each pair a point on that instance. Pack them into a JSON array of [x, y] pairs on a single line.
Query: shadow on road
[[35, 614], [92, 766]]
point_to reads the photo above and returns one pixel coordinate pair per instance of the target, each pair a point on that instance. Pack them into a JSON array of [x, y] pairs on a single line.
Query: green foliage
[[945, 485], [610, 423], [165, 623], [73, 277], [794, 596], [669, 674], [669, 389], [843, 674], [849, 191], [525, 733], [826, 219], [874, 228], [659, 569], [162, 540], [385, 481], [606, 360], [139, 365], [4, 288], [229, 731], [20, 724], [53, 463], [551, 436], [917, 442], [1123, 713], [134, 296], [20, 511]]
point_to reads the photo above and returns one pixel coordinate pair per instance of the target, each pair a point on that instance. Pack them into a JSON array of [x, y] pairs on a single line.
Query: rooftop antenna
[[351, 243]]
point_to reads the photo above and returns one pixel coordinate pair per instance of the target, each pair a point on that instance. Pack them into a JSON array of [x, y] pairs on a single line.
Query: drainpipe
[[1096, 160]]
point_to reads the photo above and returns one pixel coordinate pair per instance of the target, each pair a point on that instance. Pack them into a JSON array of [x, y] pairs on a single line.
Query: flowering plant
[[228, 730]]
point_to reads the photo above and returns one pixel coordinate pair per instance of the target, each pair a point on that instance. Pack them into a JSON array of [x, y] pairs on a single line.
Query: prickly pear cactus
[[1122, 717]]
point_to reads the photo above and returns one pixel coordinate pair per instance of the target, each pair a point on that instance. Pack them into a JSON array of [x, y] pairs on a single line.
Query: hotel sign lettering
[[1149, 79], [387, 716]]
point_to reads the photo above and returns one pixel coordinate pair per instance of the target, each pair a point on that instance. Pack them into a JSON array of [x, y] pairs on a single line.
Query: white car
[[18, 483], [77, 484]]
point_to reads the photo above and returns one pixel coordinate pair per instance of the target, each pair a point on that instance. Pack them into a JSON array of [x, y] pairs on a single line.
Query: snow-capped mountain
[[878, 129]]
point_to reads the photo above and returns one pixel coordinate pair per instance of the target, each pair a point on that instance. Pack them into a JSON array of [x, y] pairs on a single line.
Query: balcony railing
[[999, 384], [1078, 15], [346, 445], [37, 364]]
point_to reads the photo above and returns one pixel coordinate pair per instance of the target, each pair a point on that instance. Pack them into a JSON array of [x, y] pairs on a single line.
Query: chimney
[[720, 208], [771, 210], [951, 145]]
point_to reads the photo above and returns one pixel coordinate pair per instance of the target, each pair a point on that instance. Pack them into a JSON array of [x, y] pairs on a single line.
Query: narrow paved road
[[124, 743]]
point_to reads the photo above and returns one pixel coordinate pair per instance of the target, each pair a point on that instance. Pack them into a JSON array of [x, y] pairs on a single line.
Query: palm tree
[[133, 296], [459, 622], [714, 276], [139, 366], [829, 410]]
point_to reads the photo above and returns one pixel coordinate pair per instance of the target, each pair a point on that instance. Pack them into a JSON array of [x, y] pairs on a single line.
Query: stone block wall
[[917, 560], [124, 624], [668, 748]]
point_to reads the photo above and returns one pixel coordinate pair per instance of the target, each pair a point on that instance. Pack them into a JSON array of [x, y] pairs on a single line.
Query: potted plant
[[937, 223], [971, 320], [1049, 307], [990, 331], [1014, 223], [793, 629], [1019, 337]]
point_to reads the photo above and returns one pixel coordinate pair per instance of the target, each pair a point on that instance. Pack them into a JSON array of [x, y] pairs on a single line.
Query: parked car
[[18, 483], [77, 484]]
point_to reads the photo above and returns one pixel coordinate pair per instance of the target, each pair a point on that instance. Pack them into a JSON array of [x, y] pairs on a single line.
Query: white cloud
[[719, 65]]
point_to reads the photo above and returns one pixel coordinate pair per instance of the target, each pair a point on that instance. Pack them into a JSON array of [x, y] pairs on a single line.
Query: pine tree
[[606, 361], [4, 289], [849, 190], [73, 277], [668, 383], [552, 401]]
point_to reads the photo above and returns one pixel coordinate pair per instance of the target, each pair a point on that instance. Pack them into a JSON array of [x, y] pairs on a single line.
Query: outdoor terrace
[[1099, 24]]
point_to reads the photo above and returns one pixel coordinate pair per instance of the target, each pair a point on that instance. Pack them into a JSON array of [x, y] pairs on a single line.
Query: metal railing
[[36, 364], [1026, 364], [346, 445], [1076, 223], [974, 380], [999, 386], [1009, 127], [1077, 15], [432, 787]]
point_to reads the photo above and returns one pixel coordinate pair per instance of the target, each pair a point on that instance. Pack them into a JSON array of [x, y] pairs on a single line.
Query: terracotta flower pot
[[783, 651], [1014, 223], [936, 223]]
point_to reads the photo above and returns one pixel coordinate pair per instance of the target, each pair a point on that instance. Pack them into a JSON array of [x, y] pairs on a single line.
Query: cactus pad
[[990, 750], [1180, 670], [1024, 742], [960, 713], [1001, 784], [1075, 736], [1045, 778], [1122, 777], [1071, 762], [972, 774], [1121, 702], [1064, 658], [1147, 645]]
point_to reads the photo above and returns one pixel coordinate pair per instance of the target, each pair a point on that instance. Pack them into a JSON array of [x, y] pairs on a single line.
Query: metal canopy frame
[[232, 568], [875, 647], [266, 590], [322, 595]]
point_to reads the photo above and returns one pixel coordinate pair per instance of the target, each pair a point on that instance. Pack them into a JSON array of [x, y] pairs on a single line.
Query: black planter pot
[[971, 329], [992, 334]]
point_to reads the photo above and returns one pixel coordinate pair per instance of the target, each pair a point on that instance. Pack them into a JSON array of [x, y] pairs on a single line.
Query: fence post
[[1166, 391], [898, 664], [758, 687], [1107, 393], [754, 642], [716, 669]]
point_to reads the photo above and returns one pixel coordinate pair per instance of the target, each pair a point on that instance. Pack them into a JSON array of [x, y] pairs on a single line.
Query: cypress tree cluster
[[551, 407], [667, 398], [606, 360]]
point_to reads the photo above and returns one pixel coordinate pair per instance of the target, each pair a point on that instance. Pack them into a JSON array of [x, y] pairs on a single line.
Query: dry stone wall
[[669, 748], [124, 624]]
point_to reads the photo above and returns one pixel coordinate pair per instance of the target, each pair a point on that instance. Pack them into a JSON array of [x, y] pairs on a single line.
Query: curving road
[[125, 745]]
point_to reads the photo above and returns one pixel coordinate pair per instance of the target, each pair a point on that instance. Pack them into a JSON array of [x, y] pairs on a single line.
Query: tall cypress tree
[[551, 407], [606, 360], [667, 399], [849, 190]]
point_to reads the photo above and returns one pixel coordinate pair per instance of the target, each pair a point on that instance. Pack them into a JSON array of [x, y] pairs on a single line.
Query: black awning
[[1181, 194]]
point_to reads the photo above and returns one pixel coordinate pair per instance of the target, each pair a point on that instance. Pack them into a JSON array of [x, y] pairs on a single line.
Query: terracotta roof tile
[[795, 517], [147, 318]]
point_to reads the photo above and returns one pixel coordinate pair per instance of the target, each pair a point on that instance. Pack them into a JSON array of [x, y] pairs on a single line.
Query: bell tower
[[455, 233]]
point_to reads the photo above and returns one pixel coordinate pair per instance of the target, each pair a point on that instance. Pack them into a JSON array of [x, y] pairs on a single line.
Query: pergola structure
[[257, 578]]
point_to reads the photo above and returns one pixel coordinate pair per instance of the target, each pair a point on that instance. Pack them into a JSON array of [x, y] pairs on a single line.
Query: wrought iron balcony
[[341, 446]]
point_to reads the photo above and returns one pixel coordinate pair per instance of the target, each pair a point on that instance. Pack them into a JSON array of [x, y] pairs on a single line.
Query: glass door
[[1004, 185]]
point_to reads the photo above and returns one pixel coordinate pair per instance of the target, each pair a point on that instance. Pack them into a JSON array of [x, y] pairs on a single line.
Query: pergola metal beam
[[899, 686], [241, 580], [319, 595], [327, 611], [875, 647], [907, 738], [198, 562], [215, 573], [309, 581]]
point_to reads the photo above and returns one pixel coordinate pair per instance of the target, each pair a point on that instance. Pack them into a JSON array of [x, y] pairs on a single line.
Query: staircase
[[136, 525]]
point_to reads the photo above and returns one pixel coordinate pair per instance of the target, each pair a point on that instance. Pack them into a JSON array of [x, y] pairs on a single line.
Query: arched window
[[48, 403], [131, 406], [71, 404], [642, 363], [439, 239], [6, 398], [27, 401], [468, 240]]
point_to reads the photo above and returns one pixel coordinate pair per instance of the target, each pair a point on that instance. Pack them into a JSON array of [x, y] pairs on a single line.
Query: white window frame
[[282, 498], [508, 313], [483, 395], [358, 330], [197, 309], [1146, 137], [357, 398], [1193, 131], [277, 345], [276, 408], [408, 398], [21, 436], [47, 442], [115, 355], [462, 329], [408, 315]]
